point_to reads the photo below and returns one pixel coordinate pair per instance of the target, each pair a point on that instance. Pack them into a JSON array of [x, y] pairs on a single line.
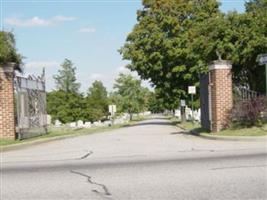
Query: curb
[[34, 142], [232, 138], [226, 138], [41, 141]]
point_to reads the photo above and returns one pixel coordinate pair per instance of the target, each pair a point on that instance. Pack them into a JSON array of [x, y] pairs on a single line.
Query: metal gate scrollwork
[[31, 118]]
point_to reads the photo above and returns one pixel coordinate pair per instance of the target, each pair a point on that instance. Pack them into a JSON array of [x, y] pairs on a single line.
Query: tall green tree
[[174, 41], [66, 78], [97, 102], [159, 45], [65, 106], [131, 94]]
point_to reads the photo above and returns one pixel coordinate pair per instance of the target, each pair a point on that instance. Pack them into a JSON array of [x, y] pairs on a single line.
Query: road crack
[[86, 155], [89, 179]]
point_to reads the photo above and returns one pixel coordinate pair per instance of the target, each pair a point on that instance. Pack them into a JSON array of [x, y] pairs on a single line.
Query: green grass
[[4, 142], [63, 132], [251, 131], [58, 132]]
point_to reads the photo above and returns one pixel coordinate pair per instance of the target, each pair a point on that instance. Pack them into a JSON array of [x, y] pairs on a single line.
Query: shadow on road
[[194, 132], [181, 133], [160, 123]]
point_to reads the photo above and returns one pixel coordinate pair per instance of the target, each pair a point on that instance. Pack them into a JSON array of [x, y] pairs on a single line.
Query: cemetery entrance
[[30, 106]]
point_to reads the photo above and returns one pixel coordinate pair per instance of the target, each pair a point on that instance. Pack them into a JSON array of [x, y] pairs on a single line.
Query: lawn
[[251, 131], [68, 132]]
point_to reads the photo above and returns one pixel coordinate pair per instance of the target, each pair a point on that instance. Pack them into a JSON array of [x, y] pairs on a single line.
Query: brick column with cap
[[221, 94], [7, 110]]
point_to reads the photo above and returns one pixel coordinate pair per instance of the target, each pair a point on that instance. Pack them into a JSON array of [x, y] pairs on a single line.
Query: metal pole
[[192, 107], [266, 78]]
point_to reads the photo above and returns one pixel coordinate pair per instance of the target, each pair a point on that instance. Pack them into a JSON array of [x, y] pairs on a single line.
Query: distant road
[[150, 160]]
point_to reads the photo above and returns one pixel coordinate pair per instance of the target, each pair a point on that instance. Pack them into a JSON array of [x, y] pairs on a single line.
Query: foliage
[[96, 102], [249, 39], [174, 41], [160, 48], [65, 106], [155, 104], [8, 51], [133, 97], [249, 112], [66, 79]]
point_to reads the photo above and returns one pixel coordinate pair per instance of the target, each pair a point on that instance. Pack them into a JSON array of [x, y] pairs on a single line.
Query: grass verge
[[68, 132], [196, 128]]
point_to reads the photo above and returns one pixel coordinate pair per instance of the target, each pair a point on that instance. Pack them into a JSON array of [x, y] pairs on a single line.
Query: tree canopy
[[66, 79], [8, 51], [97, 102], [133, 98], [65, 106], [174, 41]]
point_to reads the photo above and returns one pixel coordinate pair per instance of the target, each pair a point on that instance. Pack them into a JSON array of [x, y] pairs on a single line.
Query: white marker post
[[112, 110], [182, 105], [192, 91], [262, 59]]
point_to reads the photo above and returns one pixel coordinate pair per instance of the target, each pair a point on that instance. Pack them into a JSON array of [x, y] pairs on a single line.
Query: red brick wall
[[221, 98], [7, 117]]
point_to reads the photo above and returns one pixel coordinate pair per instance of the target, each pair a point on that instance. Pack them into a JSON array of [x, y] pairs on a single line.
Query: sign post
[[192, 91], [262, 59], [182, 105], [112, 110]]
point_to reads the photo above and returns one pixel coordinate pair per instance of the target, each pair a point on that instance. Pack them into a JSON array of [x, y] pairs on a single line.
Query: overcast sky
[[88, 32]]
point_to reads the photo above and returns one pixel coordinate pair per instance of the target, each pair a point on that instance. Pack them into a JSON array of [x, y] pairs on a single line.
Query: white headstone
[[107, 123], [178, 113], [48, 119], [80, 124], [58, 123], [87, 125], [73, 124]]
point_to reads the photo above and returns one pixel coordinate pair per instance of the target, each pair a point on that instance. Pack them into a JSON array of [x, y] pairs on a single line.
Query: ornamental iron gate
[[205, 101], [31, 118]]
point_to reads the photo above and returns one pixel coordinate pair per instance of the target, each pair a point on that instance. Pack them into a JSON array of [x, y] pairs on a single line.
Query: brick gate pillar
[[221, 94], [7, 111]]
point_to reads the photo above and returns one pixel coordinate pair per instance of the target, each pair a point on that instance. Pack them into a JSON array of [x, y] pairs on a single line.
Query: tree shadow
[[160, 123], [194, 132]]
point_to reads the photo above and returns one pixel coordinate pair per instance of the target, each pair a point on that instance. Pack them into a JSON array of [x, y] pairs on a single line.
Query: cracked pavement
[[149, 160]]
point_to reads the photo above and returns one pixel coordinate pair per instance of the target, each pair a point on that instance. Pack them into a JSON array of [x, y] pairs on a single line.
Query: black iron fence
[[250, 107]]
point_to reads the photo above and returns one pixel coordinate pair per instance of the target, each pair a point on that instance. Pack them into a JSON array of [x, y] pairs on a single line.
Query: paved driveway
[[150, 160]]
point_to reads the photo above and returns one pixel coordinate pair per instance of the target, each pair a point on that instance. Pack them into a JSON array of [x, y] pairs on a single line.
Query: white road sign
[[192, 89], [263, 59], [183, 103]]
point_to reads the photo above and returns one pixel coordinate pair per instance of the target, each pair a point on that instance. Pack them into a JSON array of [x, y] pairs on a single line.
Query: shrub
[[249, 112]]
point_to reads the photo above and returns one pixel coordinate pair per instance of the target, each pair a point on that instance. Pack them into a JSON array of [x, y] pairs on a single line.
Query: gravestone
[[87, 124], [80, 124], [73, 124]]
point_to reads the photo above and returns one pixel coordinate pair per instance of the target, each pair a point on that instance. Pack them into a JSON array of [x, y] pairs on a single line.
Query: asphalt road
[[150, 160]]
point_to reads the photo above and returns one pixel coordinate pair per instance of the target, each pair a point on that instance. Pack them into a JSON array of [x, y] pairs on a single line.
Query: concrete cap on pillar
[[220, 64]]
